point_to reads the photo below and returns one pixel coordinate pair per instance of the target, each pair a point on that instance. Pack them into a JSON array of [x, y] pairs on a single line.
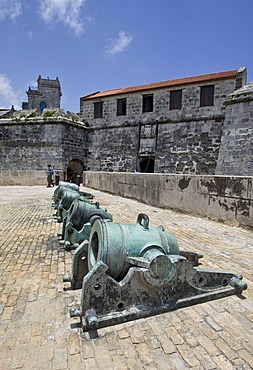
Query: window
[[43, 106], [121, 107], [206, 95], [98, 110], [176, 99], [147, 103]]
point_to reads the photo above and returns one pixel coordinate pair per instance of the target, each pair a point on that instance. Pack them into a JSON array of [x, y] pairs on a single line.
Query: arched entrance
[[147, 165], [75, 168]]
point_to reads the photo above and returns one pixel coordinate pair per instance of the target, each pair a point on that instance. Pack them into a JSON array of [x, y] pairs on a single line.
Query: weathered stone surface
[[223, 198], [186, 140], [209, 140], [213, 335], [32, 144], [235, 155]]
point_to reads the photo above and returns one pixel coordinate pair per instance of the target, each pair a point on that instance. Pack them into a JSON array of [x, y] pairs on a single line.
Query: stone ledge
[[221, 198]]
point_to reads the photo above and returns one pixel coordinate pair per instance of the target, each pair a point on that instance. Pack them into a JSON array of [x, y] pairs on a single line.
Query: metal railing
[[74, 177]]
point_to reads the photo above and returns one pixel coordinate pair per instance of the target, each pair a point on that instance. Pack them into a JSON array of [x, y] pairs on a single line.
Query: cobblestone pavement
[[36, 331]]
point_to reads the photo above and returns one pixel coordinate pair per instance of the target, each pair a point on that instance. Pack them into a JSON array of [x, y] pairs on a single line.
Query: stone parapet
[[221, 198]]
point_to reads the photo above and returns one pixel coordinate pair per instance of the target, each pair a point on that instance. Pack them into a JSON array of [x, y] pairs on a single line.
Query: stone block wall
[[221, 198], [188, 147], [236, 149], [185, 140], [192, 140], [32, 144], [25, 177], [113, 149], [178, 147]]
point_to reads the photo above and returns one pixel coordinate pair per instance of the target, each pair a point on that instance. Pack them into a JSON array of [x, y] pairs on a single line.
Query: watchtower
[[47, 95]]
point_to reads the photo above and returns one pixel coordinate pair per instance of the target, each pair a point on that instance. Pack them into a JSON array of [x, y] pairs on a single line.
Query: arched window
[[43, 105]]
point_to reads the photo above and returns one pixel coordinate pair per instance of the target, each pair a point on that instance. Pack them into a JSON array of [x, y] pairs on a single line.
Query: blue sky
[[93, 45]]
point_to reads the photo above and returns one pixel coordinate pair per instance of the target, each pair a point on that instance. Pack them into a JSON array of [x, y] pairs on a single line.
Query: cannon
[[77, 224], [65, 203], [61, 189], [136, 271], [80, 262]]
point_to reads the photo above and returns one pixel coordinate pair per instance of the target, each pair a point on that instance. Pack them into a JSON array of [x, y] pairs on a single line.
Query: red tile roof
[[170, 83]]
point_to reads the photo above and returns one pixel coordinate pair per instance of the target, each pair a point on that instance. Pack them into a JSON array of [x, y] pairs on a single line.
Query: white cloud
[[8, 96], [65, 11], [120, 44], [33, 84], [10, 9]]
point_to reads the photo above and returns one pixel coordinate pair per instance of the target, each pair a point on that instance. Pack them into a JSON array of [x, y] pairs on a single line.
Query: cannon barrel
[[68, 198], [83, 211], [86, 195], [65, 203], [63, 186], [69, 185], [78, 221], [60, 192], [113, 243]]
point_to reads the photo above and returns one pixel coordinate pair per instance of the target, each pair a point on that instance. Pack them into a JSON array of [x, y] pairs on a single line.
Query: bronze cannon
[[132, 271], [77, 223]]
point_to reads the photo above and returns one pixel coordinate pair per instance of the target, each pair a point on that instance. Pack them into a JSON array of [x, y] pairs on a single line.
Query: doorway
[[75, 168], [147, 165]]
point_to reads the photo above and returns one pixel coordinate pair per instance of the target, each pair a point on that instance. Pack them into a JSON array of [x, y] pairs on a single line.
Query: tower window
[[43, 106], [175, 99], [206, 95], [121, 107], [147, 103], [98, 110]]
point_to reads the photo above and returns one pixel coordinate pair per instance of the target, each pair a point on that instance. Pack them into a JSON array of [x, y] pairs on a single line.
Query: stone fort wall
[[32, 144], [197, 140], [185, 140], [236, 147], [180, 147]]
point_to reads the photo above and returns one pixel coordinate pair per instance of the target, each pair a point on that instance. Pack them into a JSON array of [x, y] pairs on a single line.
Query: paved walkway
[[36, 331]]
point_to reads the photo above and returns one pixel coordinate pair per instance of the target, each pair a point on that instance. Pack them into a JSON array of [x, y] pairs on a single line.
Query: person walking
[[50, 173]]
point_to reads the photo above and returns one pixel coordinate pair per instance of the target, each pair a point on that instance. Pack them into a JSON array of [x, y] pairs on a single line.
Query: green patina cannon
[[77, 224], [82, 264], [135, 271], [61, 189], [64, 204]]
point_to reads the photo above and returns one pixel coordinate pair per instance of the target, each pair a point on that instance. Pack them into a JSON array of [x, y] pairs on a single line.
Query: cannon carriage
[[131, 271]]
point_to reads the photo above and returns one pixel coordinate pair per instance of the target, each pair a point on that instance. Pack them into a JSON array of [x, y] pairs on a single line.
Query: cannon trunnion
[[134, 271]]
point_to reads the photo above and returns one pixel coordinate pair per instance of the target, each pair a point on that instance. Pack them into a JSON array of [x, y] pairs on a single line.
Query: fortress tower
[[47, 95]]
